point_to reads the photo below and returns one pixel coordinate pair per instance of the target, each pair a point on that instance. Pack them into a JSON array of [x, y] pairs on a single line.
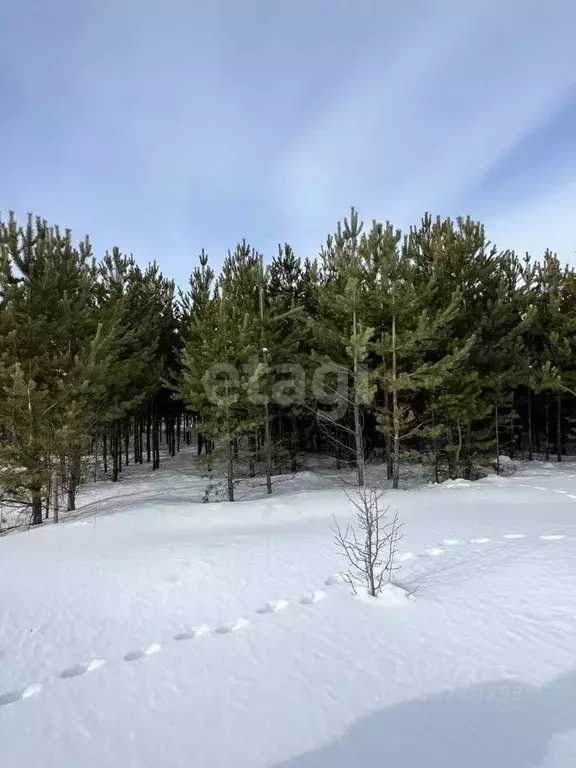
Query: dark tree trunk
[[55, 498], [136, 444], [209, 454], [71, 506], [230, 473], [105, 452], [114, 452], [251, 454], [36, 494], [547, 426], [530, 447], [388, 441], [119, 444], [468, 454], [559, 426], [73, 482], [338, 456], [127, 440], [293, 443], [148, 436], [47, 500], [497, 430], [156, 429], [512, 446]]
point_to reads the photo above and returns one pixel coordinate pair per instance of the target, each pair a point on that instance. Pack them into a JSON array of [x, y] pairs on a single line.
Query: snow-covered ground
[[153, 631]]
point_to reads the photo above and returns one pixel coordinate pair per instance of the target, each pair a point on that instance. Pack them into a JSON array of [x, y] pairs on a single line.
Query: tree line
[[431, 345]]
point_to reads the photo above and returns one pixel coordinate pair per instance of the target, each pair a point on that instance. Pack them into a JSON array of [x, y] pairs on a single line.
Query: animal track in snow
[[25, 693], [193, 633], [81, 669], [336, 578], [312, 597], [234, 626], [140, 654], [274, 606]]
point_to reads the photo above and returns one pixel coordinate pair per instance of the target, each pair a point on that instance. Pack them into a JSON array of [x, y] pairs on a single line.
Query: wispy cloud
[[168, 127], [470, 82]]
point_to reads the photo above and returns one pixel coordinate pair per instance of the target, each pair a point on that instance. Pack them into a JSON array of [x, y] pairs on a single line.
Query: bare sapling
[[370, 544]]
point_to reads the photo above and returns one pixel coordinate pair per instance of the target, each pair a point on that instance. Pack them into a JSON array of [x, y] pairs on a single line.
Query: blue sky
[[170, 126]]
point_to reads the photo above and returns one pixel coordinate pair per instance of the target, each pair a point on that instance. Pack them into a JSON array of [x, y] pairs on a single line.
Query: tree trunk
[[388, 440], [267, 437], [95, 454], [468, 460], [547, 426], [71, 495], [36, 494], [358, 436], [119, 445], [105, 452], [512, 446], [127, 440], [209, 454], [230, 473], [48, 499], [114, 451], [395, 412], [172, 436], [268, 447], [55, 498], [148, 436], [136, 439], [73, 481], [156, 430], [559, 426], [530, 446], [251, 454], [497, 429], [293, 443]]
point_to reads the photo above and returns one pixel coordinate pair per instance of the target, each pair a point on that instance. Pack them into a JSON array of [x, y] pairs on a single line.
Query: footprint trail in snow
[[276, 606]]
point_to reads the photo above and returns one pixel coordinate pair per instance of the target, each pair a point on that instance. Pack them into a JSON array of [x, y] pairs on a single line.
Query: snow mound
[[391, 595], [457, 483], [494, 480]]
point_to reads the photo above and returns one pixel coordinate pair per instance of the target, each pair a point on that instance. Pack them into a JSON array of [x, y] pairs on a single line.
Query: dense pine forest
[[429, 346]]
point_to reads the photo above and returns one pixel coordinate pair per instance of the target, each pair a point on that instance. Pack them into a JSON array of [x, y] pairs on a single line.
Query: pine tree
[[343, 335]]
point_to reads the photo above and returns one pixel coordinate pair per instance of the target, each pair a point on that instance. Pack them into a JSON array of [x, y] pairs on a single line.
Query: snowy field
[[153, 631]]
